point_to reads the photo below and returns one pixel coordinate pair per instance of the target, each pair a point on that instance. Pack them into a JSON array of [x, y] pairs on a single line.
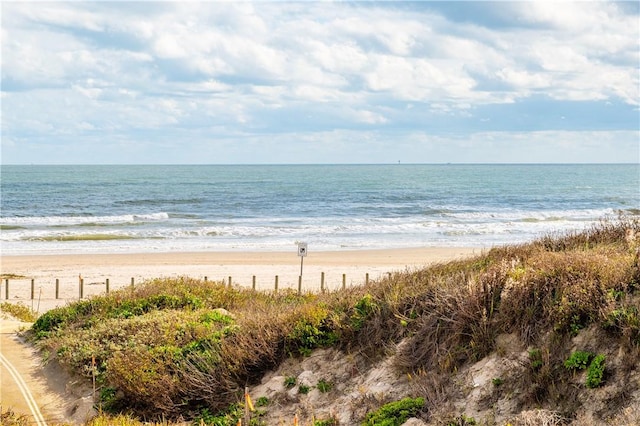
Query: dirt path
[[41, 392]]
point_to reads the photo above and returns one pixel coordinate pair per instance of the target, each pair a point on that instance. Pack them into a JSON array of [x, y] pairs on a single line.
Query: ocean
[[164, 208]]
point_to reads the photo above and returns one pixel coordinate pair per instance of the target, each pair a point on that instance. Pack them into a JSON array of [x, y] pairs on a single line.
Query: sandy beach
[[121, 269]]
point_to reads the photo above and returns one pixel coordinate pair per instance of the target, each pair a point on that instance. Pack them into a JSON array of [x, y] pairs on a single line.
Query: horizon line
[[399, 163]]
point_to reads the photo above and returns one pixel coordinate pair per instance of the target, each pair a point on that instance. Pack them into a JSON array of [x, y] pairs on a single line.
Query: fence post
[[253, 283], [57, 288], [205, 279], [81, 287], [6, 289], [299, 285], [32, 288], [132, 284], [366, 279], [322, 282], [229, 282], [107, 283], [276, 287], [344, 281], [389, 274]]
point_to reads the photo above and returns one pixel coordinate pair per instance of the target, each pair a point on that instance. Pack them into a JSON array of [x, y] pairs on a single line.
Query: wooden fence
[[18, 286]]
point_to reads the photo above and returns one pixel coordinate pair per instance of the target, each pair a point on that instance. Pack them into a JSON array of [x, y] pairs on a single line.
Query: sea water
[[162, 208]]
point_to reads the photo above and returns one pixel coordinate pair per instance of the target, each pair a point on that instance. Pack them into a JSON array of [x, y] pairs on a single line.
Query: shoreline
[[350, 267]]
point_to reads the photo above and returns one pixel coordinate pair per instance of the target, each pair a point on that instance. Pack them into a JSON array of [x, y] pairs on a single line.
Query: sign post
[[302, 252]]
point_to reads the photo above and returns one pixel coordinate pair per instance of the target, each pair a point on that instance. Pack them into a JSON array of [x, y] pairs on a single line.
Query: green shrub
[[326, 422], [362, 310], [579, 360], [595, 372], [304, 389], [394, 413], [324, 386], [290, 382], [311, 331]]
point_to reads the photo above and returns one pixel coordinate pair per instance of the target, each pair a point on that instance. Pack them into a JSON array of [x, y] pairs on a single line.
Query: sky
[[145, 82]]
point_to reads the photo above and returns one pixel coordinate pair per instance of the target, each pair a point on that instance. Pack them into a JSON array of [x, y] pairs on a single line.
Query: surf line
[[24, 389]]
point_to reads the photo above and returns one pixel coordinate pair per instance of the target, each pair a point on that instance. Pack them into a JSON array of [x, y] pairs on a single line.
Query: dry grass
[[8, 417]]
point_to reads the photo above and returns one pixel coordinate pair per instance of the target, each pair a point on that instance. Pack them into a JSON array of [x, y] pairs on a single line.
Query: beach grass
[[19, 311], [175, 348]]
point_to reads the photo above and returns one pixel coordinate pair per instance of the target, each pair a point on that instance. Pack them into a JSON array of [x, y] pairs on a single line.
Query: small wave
[[10, 227], [83, 237], [159, 202], [542, 219], [81, 220]]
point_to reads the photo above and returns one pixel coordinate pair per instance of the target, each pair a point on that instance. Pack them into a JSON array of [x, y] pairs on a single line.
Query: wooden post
[[81, 287], [107, 283], [344, 281], [93, 375], [276, 288], [57, 288], [32, 288], [6, 289], [132, 283], [205, 279], [389, 274], [247, 418], [253, 283], [322, 282], [366, 279], [299, 285]]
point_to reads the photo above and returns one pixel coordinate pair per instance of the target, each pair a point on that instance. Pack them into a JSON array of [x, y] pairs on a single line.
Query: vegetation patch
[[19, 311], [579, 360], [595, 372], [394, 413]]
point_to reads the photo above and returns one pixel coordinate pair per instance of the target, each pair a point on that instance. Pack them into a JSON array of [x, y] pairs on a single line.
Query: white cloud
[[241, 68]]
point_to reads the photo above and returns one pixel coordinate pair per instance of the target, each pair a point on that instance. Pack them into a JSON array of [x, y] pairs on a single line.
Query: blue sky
[[320, 82]]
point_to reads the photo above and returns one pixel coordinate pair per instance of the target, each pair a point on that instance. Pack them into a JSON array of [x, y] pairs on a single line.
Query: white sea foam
[[80, 220]]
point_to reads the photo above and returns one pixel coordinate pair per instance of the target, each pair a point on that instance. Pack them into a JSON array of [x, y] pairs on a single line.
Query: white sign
[[302, 249]]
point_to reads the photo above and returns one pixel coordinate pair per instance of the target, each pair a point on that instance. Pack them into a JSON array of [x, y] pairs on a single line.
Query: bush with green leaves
[[595, 372], [362, 310], [324, 386], [311, 331], [326, 422], [579, 360], [394, 413]]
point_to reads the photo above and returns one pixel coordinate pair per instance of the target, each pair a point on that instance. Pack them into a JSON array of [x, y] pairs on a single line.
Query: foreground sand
[[120, 269]]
